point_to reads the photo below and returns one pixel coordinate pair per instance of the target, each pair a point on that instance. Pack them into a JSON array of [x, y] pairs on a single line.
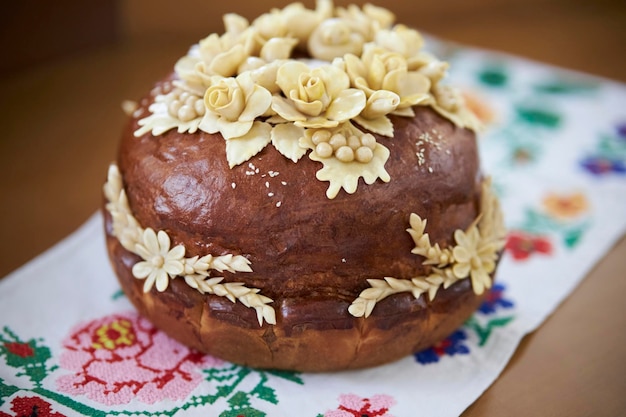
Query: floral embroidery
[[119, 357], [122, 357], [28, 358], [495, 300], [620, 130], [23, 350], [609, 155], [521, 245], [31, 407], [352, 405], [562, 214], [600, 165], [452, 345], [566, 206], [482, 327]]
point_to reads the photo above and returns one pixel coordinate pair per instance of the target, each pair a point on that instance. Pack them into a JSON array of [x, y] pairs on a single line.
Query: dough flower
[[401, 39], [214, 56], [316, 98], [334, 38], [160, 263], [474, 257], [379, 69], [232, 106]]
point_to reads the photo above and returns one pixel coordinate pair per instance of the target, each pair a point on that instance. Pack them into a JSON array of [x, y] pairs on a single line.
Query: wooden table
[[61, 122]]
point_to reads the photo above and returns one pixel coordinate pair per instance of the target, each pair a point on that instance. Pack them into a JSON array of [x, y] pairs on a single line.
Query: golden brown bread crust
[[312, 335], [311, 255]]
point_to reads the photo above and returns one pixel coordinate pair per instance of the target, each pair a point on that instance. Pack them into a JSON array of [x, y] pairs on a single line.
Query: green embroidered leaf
[[538, 117], [611, 147], [494, 76], [265, 393], [565, 87], [240, 407], [6, 390], [118, 294], [223, 374], [536, 222], [484, 332], [289, 376], [572, 237], [68, 402], [28, 357], [243, 412], [240, 399]]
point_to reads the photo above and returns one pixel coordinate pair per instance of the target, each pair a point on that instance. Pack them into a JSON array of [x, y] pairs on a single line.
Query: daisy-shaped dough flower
[[379, 69], [159, 262], [474, 258], [232, 106], [316, 98]]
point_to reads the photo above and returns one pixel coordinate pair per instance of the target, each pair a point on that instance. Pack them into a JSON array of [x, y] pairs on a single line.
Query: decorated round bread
[[304, 192]]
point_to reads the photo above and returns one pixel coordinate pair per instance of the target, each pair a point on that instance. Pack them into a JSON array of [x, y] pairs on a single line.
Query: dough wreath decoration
[[250, 85], [160, 263], [473, 257]]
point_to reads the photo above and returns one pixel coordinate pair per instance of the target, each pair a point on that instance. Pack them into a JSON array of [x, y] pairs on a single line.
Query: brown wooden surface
[[61, 122]]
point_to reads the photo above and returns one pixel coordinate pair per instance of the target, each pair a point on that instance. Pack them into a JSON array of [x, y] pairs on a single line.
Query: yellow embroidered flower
[[566, 206], [334, 38], [159, 262], [474, 258], [316, 98], [232, 106], [113, 335], [379, 69]]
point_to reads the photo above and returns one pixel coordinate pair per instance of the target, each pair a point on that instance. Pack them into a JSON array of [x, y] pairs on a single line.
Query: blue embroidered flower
[[450, 346], [599, 165], [620, 129], [495, 300]]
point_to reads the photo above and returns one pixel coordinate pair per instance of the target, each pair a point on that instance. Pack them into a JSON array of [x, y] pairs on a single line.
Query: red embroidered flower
[[521, 245], [23, 350], [31, 406], [122, 357], [354, 406]]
